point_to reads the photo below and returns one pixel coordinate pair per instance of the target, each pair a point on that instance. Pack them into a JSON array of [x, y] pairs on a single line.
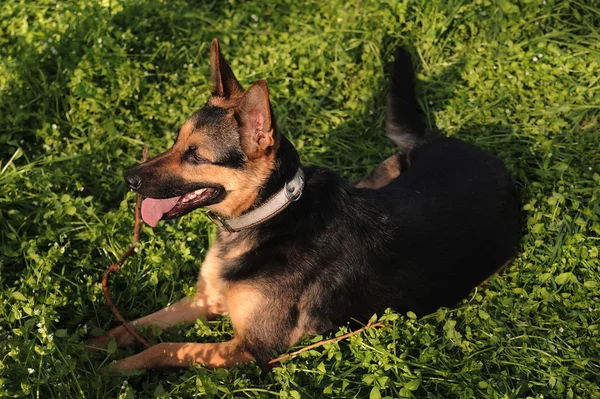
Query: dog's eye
[[200, 158], [196, 156]]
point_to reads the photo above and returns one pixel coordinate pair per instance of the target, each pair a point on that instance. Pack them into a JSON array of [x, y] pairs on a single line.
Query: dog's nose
[[133, 180]]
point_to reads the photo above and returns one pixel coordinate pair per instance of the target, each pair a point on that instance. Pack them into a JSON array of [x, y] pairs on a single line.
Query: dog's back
[[453, 206]]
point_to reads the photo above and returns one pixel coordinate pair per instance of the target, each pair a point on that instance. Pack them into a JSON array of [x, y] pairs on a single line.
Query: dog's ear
[[257, 128], [225, 83]]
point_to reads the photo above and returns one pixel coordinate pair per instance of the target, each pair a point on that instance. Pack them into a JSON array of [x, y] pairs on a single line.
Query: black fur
[[208, 115], [424, 241], [404, 124], [233, 158]]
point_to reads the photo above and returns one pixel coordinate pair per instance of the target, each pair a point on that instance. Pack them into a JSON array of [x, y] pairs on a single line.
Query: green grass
[[84, 85]]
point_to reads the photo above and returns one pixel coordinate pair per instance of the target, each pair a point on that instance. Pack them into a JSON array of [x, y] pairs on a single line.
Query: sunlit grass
[[83, 86]]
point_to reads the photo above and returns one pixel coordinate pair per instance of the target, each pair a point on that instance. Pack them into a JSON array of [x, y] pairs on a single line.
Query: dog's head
[[224, 153]]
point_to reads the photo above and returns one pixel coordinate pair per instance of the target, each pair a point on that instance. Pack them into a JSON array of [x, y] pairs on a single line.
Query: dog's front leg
[[187, 310], [182, 354], [208, 302]]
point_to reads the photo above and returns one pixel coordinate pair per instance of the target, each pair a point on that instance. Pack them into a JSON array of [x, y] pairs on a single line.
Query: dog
[[299, 250]]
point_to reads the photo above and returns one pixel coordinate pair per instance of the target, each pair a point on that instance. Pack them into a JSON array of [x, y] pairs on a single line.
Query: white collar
[[291, 192]]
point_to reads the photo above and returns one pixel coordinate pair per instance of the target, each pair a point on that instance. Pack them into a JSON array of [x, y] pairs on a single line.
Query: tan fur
[[243, 186], [234, 251], [182, 354], [188, 136], [244, 301], [210, 285], [382, 175]]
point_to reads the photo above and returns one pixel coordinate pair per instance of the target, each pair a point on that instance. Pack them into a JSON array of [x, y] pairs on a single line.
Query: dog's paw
[[119, 335]]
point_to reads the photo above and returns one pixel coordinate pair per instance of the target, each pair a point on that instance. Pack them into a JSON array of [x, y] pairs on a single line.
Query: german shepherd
[[300, 250]]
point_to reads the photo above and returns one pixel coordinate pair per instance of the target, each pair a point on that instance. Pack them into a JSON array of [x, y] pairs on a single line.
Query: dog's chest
[[211, 286]]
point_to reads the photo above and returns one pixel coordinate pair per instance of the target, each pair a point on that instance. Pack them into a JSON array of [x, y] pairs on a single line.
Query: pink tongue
[[154, 209]]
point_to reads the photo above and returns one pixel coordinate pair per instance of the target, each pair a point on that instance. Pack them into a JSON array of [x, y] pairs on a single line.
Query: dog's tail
[[404, 124]]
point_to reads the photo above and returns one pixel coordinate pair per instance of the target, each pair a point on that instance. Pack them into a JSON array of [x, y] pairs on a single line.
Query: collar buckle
[[293, 190], [219, 221]]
